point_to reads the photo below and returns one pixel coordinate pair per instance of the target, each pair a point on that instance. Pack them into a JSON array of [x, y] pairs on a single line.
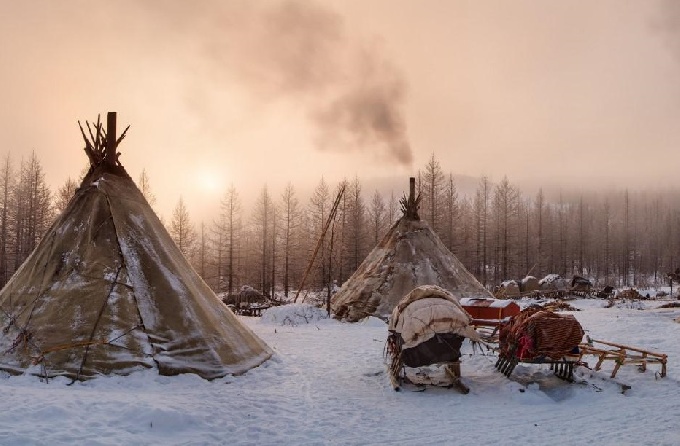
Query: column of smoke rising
[[669, 22], [299, 50]]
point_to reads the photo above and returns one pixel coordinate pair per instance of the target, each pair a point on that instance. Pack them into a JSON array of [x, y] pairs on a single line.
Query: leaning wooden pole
[[330, 219]]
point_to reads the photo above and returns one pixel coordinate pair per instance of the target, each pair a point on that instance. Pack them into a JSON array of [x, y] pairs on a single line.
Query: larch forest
[[619, 238]]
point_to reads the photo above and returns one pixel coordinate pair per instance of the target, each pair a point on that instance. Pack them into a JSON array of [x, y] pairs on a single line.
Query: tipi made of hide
[[409, 255], [106, 291]]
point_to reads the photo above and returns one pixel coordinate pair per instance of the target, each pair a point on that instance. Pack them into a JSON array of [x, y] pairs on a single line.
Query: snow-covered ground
[[326, 384]]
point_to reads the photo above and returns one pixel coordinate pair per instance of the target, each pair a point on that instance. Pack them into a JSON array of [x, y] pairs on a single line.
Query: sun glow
[[209, 180]]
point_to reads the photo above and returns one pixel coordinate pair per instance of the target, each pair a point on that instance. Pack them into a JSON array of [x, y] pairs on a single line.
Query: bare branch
[[96, 145], [88, 146], [122, 136], [98, 125]]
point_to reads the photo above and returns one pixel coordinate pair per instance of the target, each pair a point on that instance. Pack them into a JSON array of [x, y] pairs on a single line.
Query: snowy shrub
[[293, 314]]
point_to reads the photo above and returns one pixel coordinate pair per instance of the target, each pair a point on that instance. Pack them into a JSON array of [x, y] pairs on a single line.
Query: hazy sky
[[253, 92]]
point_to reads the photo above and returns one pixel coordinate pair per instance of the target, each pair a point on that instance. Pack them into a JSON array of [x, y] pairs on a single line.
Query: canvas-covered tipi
[[107, 291], [411, 254]]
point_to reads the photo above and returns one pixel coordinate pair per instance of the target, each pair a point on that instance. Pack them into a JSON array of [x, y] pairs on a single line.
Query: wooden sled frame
[[563, 368], [622, 354]]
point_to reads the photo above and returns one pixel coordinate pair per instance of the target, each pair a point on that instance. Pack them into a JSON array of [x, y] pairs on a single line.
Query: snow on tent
[[428, 327], [553, 282], [529, 284], [106, 291], [409, 255], [507, 290]]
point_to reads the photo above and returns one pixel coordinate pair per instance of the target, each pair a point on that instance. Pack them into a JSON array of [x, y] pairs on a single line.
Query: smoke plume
[[300, 52], [668, 21]]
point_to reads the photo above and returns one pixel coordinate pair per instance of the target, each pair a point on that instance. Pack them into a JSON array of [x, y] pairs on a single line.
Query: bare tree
[[263, 228], [466, 235], [505, 205], [377, 215], [581, 237], [182, 230], [228, 237], [339, 260], [32, 209], [539, 209], [319, 208], [432, 188], [145, 188], [628, 248], [64, 195], [481, 210], [392, 209], [654, 236], [289, 235], [562, 235], [450, 215], [524, 225], [202, 257], [607, 240], [5, 244], [273, 236], [356, 218]]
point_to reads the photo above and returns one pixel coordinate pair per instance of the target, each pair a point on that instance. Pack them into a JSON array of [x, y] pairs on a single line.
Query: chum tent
[[411, 254], [107, 291]]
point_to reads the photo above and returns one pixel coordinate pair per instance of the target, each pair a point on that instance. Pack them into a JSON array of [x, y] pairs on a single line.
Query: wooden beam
[[110, 153]]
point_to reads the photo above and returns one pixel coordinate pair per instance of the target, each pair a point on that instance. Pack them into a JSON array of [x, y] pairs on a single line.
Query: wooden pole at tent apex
[[410, 204], [110, 151]]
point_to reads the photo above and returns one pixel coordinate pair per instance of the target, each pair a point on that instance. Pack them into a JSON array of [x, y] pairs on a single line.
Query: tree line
[[619, 238]]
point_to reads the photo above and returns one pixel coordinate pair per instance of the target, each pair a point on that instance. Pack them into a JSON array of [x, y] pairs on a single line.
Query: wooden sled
[[538, 336], [621, 355], [562, 368]]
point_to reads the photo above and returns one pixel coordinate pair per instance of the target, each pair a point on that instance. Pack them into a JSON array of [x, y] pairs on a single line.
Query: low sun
[[209, 180]]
